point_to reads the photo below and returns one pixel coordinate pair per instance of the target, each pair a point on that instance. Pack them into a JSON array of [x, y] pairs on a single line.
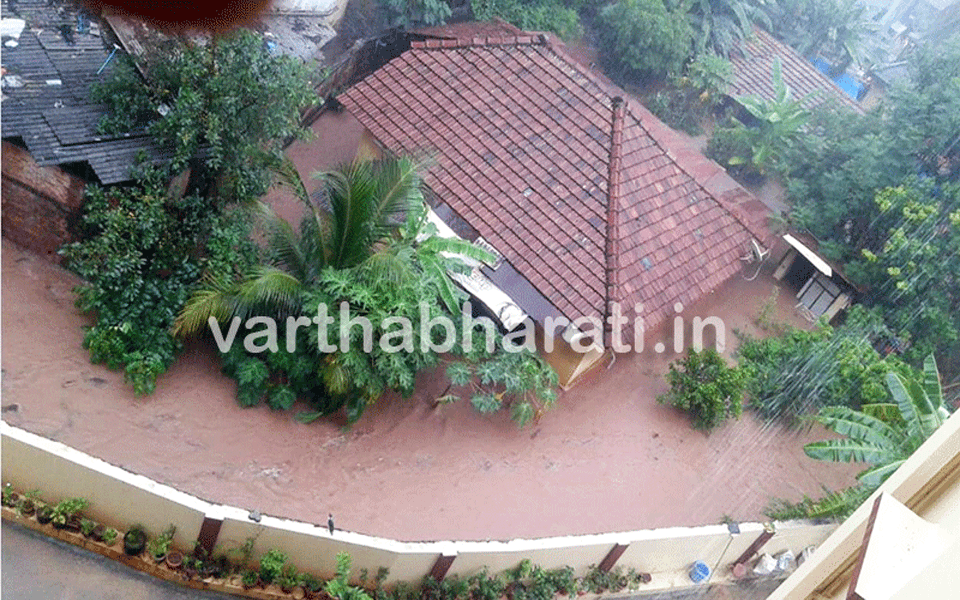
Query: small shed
[[822, 290]]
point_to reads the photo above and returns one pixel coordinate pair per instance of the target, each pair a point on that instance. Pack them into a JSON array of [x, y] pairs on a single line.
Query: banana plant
[[778, 122], [884, 434]]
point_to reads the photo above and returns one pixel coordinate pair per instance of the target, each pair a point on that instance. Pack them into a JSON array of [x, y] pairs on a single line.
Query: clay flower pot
[[98, 532], [174, 559], [44, 515], [27, 507]]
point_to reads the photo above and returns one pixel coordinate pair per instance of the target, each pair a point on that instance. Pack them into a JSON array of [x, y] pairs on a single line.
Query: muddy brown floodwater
[[608, 458]]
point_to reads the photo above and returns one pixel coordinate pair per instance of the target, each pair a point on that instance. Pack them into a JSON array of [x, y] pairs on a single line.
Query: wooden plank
[[612, 557]]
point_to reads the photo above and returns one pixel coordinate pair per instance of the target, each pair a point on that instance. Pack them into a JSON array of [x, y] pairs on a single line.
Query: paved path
[[36, 567]]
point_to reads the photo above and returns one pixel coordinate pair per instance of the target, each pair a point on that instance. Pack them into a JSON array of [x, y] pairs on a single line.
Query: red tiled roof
[[753, 73], [533, 154]]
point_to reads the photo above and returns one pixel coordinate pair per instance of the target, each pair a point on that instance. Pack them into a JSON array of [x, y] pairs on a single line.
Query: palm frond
[[211, 300], [268, 290], [285, 243]]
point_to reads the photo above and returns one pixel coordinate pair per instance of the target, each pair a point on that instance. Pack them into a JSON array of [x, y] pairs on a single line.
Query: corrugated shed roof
[[753, 74], [524, 138], [51, 111]]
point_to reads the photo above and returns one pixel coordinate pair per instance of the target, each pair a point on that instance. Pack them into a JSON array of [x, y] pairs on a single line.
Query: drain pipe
[[734, 530]]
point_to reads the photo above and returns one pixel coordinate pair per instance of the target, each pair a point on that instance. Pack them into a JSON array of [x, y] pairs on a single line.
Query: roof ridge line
[[526, 39], [612, 249]]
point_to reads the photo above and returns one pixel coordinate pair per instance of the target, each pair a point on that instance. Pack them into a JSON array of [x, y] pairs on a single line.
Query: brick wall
[[40, 204]]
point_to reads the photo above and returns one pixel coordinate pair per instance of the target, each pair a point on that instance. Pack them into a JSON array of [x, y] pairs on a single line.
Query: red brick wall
[[39, 203]]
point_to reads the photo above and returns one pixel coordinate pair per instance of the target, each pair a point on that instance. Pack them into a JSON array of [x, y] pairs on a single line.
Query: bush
[[411, 12], [643, 38], [271, 565], [142, 254], [689, 99], [558, 16], [703, 385], [801, 371]]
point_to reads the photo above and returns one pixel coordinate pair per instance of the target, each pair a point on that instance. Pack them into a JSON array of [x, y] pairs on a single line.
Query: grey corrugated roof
[[52, 112]]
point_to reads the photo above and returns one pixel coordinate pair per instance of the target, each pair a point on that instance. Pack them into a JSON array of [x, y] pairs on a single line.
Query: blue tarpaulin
[[848, 84]]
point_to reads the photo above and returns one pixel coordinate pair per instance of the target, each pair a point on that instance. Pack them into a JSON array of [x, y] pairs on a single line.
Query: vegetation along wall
[[119, 499]]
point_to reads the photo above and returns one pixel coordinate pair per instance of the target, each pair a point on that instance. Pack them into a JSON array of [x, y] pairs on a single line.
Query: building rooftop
[[585, 194], [46, 103], [753, 74]]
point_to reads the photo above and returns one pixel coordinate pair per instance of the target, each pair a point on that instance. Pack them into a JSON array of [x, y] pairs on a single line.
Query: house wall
[[40, 204], [119, 498]]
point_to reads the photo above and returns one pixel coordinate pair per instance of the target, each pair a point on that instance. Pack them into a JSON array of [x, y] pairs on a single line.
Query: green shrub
[[558, 16], [141, 254], [272, 564], [797, 373], [643, 38], [703, 385], [412, 12]]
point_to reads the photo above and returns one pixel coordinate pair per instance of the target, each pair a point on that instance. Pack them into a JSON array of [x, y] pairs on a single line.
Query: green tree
[[789, 376], [909, 261], [339, 587], [884, 435], [838, 29], [719, 24], [703, 384], [230, 101], [558, 16], [644, 38], [689, 98], [376, 250], [141, 255], [414, 12]]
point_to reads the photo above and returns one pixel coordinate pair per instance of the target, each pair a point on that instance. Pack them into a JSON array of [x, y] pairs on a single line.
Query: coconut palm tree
[[374, 223], [884, 435]]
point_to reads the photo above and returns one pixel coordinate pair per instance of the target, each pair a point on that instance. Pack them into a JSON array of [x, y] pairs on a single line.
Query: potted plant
[[110, 536], [10, 497], [312, 586], [26, 506], [66, 513], [99, 531], [134, 540], [191, 567], [87, 527], [44, 514], [160, 545], [271, 565]]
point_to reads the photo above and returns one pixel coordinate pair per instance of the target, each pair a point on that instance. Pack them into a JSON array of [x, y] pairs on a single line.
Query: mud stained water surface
[[608, 458]]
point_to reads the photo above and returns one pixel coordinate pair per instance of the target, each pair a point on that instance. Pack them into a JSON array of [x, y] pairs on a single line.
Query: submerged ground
[[608, 458]]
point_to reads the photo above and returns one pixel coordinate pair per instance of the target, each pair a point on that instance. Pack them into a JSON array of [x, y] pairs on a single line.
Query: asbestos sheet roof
[[46, 94]]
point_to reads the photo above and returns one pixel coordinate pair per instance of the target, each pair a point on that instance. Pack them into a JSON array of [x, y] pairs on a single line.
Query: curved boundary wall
[[119, 498]]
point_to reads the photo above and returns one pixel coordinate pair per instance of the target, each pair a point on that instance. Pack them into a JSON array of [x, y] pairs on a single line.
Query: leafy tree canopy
[[644, 38], [229, 100]]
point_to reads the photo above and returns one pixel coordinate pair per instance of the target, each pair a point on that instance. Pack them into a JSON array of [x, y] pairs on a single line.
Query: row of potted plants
[[233, 569]]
